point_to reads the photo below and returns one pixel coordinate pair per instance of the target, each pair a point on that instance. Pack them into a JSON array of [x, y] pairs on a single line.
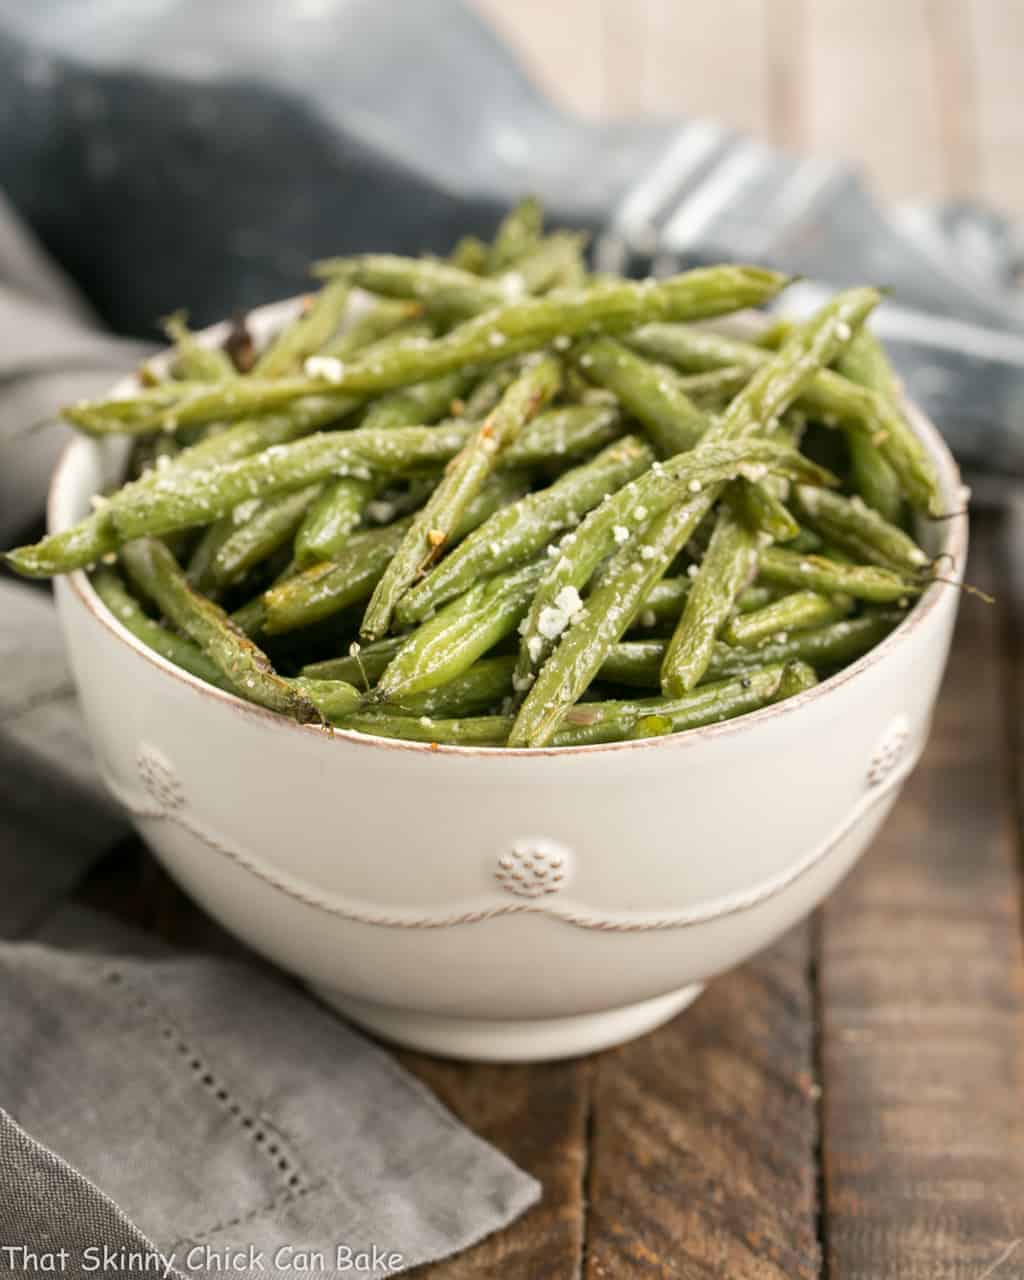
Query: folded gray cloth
[[212, 1112]]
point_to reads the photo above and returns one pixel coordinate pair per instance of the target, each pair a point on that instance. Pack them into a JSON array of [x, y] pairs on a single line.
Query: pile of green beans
[[495, 501]]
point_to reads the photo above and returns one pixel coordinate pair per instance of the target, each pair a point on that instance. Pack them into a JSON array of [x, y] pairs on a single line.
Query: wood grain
[[561, 46], [996, 41], [702, 1153], [538, 1116], [922, 94], [922, 1004], [869, 92]]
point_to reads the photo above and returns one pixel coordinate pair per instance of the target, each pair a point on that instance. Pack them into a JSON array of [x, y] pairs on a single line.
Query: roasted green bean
[[155, 572], [518, 532], [496, 334], [854, 527], [795, 612], [638, 662], [465, 475]]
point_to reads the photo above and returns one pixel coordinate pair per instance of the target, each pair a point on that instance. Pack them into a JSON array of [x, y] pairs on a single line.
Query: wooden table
[[850, 1105]]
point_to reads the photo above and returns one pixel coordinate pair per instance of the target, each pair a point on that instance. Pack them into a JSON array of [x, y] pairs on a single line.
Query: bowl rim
[[954, 547]]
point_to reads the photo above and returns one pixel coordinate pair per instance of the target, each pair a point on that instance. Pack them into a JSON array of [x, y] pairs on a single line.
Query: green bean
[[865, 362], [764, 511], [217, 488], [517, 533], [860, 531], [155, 572], [797, 677], [829, 396], [362, 664], [440, 287], [127, 610], [387, 318], [432, 528], [479, 687], [458, 634], [419, 404], [652, 393], [341, 505], [798, 570], [470, 253], [665, 600], [729, 565], [715, 387], [182, 501], [242, 439], [193, 360], [84, 544], [591, 722], [638, 662], [151, 452], [470, 731], [625, 513], [271, 526], [332, 698], [171, 501], [490, 388], [486, 339], [592, 627], [199, 570], [249, 618], [611, 607], [324, 589], [555, 261], [805, 541], [731, 561], [303, 337], [560, 434], [778, 332], [518, 233], [795, 612], [94, 537], [331, 517]]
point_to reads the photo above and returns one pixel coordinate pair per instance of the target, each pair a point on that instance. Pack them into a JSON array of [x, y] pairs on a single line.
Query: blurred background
[[923, 95]]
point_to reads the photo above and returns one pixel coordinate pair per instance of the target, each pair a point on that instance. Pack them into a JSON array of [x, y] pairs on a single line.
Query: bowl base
[[511, 1040]]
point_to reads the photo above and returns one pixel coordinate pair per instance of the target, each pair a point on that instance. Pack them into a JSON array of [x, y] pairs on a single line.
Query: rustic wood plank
[[997, 45], [702, 1155], [698, 67], [561, 46], [869, 93], [785, 52], [922, 999], [537, 1115], [954, 70], [631, 58]]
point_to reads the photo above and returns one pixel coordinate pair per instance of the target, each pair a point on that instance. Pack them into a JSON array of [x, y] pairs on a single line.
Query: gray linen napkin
[[154, 1107], [223, 1115]]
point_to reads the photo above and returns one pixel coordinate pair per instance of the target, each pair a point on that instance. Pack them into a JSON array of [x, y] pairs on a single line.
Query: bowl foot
[[511, 1040]]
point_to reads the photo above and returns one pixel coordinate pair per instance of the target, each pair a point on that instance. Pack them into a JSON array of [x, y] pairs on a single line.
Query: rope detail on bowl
[[165, 802]]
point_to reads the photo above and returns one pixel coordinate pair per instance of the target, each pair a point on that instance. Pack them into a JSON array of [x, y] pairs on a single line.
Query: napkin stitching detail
[[280, 1150]]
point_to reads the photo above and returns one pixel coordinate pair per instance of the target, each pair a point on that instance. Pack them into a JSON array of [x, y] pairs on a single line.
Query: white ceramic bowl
[[492, 904]]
